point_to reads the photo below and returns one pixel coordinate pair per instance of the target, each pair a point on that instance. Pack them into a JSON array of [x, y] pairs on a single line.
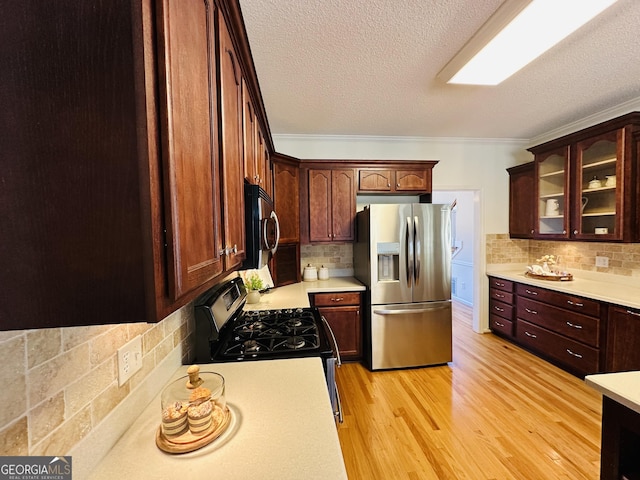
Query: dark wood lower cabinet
[[623, 337], [620, 442], [343, 313]]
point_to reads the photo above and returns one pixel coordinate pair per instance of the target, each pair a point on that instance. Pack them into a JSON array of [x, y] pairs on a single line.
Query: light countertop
[[297, 294], [282, 427], [615, 289], [623, 387]]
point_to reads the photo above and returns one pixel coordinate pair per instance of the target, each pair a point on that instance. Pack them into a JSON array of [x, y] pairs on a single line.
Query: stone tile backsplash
[[624, 258], [338, 258], [59, 383]]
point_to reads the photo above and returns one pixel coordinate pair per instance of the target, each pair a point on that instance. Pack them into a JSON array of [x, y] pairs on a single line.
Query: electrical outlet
[[129, 359], [602, 261]]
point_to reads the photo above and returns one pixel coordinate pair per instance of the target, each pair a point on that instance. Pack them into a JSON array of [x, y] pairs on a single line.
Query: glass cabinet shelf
[[552, 195], [599, 163], [598, 214], [552, 174], [599, 189]]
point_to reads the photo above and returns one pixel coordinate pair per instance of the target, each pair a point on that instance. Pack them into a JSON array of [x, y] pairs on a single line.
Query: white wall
[[464, 164]]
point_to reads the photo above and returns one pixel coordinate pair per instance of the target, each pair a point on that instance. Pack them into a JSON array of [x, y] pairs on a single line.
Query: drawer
[[577, 304], [336, 298], [500, 284], [573, 325], [499, 324], [501, 295], [575, 355], [501, 309]]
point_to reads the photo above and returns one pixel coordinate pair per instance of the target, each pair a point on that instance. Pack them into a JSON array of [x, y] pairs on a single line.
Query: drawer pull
[[574, 325], [631, 312], [531, 292], [339, 299], [577, 355], [498, 295], [575, 304], [499, 324], [499, 309], [532, 312], [498, 284], [530, 335]]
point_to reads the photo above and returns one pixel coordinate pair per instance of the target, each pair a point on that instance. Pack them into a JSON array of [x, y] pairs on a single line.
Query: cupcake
[[200, 417], [174, 419]]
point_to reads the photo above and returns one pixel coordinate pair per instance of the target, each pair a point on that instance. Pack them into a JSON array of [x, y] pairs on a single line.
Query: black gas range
[[227, 333]]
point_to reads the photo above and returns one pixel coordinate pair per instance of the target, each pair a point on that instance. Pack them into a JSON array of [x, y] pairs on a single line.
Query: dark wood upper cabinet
[[117, 145], [587, 183], [187, 68], [521, 200], [232, 165], [332, 205]]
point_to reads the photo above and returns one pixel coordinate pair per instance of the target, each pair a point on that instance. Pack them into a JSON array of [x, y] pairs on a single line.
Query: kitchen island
[[620, 423], [282, 427]]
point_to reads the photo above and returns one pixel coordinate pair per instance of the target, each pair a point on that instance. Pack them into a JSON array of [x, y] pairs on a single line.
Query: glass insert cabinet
[[587, 183]]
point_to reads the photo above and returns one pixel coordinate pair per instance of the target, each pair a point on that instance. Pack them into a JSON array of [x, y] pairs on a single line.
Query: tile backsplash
[[338, 258], [60, 383], [624, 258]]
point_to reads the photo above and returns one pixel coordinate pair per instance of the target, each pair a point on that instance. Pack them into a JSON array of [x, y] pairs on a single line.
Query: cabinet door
[[286, 201], [232, 158], [598, 200], [343, 207], [374, 180], [413, 180], [623, 332], [552, 186], [187, 72], [521, 200], [320, 206], [249, 134], [346, 325]]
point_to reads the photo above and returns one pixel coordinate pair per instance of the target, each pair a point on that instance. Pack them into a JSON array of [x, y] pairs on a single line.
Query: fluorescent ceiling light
[[519, 32]]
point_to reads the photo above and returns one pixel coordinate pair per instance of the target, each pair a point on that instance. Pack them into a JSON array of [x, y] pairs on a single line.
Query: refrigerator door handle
[[409, 252], [404, 311], [417, 249]]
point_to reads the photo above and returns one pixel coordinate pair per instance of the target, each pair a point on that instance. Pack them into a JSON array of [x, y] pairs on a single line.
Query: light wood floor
[[495, 412]]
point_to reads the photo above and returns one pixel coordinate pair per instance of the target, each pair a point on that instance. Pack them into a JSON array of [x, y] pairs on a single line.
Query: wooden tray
[[554, 278], [188, 442]]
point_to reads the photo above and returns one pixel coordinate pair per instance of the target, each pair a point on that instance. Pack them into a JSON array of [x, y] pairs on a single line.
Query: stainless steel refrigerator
[[403, 255]]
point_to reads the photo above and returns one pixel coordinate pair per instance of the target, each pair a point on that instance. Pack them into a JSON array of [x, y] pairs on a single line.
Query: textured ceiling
[[368, 67]]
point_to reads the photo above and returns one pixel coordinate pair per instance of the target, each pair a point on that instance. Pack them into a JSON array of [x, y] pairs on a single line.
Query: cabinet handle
[[575, 304], [388, 185], [574, 325], [397, 185], [339, 299], [564, 232], [499, 324], [499, 309], [577, 355], [530, 335], [532, 312], [631, 312], [532, 231], [575, 232], [498, 284], [531, 292], [498, 295]]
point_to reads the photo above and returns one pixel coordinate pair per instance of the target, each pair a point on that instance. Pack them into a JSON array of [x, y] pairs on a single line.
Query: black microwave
[[261, 226]]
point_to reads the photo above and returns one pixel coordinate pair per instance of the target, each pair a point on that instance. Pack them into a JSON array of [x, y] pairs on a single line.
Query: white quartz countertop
[[623, 387], [282, 427], [616, 289], [297, 294]]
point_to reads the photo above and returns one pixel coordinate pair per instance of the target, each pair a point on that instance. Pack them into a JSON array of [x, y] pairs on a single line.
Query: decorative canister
[[310, 273], [323, 273]]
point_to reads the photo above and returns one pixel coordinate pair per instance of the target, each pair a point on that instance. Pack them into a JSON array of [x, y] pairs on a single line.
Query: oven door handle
[[339, 406], [335, 343]]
